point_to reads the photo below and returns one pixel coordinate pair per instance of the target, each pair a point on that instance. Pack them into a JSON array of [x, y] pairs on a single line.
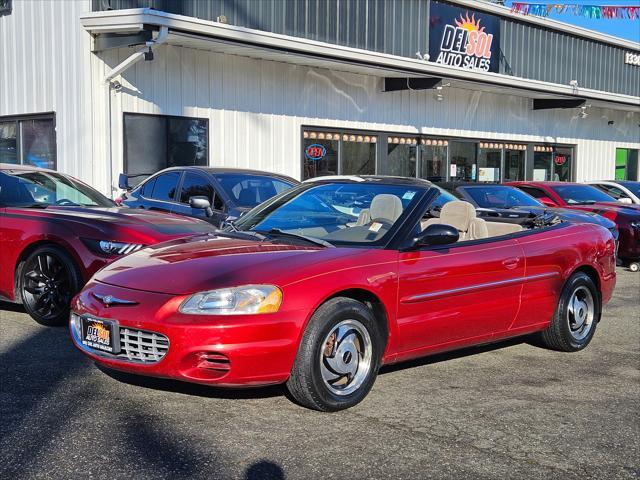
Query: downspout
[[134, 58]]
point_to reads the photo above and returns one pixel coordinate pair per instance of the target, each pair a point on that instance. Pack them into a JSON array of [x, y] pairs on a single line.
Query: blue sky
[[629, 29]]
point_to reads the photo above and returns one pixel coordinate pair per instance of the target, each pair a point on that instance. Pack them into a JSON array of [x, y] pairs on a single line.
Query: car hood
[[122, 223], [609, 207], [207, 262]]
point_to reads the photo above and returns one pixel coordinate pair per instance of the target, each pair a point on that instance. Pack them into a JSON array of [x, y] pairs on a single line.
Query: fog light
[[214, 361]]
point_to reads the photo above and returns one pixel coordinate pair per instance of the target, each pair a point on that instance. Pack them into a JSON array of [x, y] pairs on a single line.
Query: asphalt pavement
[[510, 410]]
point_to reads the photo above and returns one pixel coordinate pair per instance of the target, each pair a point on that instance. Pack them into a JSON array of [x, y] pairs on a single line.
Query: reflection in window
[[433, 160], [8, 142], [28, 141], [401, 157], [542, 157], [358, 155], [463, 161], [514, 163], [320, 153], [155, 142], [562, 160], [489, 162]]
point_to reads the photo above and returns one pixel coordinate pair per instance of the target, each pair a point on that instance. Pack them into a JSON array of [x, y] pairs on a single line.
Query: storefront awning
[[127, 27]]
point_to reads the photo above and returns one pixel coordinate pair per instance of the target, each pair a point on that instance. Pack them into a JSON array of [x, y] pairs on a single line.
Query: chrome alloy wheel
[[346, 357], [580, 313]]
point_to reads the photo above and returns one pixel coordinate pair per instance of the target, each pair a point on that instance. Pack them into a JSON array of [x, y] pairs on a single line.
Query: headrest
[[385, 207], [458, 214]]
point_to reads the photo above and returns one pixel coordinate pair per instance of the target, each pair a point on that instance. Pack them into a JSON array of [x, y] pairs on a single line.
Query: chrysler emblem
[[109, 300]]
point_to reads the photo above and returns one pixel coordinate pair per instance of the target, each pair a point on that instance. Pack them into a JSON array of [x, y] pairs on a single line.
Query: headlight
[[112, 248], [636, 224], [244, 300]]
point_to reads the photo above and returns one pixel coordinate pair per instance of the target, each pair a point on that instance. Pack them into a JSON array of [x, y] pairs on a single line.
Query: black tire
[[561, 334], [306, 383], [48, 279]]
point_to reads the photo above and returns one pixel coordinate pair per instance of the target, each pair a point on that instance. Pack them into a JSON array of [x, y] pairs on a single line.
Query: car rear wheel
[[48, 280], [338, 358], [576, 317]]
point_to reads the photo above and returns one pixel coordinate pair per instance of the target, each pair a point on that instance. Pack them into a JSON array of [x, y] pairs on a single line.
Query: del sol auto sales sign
[[464, 38]]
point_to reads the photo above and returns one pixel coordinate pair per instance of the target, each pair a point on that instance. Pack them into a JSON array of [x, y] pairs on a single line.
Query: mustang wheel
[[338, 358], [48, 280], [578, 312]]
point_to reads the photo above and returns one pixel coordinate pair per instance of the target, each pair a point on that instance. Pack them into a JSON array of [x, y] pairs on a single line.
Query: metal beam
[[392, 84], [551, 103]]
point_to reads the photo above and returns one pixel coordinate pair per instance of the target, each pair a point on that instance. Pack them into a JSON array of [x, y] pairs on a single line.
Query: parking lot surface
[[510, 410]]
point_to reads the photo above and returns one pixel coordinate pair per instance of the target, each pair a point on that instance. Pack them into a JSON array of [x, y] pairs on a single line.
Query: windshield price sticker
[[375, 227], [408, 195]]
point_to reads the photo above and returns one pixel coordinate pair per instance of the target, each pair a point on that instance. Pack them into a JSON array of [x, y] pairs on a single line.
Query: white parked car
[[625, 191]]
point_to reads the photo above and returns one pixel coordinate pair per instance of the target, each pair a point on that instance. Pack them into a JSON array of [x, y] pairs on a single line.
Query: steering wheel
[[64, 201]]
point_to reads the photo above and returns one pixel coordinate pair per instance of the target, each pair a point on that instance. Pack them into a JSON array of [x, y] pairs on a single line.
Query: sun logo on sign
[[469, 24]]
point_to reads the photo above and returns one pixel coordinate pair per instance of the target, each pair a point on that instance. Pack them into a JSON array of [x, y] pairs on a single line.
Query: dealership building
[[444, 90]]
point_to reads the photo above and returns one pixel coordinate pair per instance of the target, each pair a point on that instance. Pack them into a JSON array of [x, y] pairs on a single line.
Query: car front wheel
[[338, 357], [48, 280]]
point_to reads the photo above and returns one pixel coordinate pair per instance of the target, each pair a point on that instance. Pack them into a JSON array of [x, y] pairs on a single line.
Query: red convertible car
[[322, 284], [55, 232], [587, 198]]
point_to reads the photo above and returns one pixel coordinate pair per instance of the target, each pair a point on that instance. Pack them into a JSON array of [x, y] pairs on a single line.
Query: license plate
[[100, 335]]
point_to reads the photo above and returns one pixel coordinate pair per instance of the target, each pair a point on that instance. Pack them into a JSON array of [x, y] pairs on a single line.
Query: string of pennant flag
[[631, 12]]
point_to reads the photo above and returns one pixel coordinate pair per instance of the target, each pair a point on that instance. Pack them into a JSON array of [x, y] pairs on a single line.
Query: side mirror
[[201, 203], [626, 200], [123, 182], [436, 234], [547, 201]]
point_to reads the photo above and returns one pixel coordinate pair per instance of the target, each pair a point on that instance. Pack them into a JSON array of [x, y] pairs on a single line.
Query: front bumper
[[233, 351]]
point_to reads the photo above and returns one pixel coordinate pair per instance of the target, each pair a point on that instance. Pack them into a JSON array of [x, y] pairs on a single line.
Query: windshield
[[338, 213], [34, 188], [247, 191], [581, 194], [497, 196], [633, 187]]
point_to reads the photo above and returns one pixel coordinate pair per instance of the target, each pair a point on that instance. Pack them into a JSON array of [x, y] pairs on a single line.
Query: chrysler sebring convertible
[[324, 283]]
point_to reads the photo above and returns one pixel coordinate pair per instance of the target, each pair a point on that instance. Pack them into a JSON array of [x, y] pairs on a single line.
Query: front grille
[[141, 346]]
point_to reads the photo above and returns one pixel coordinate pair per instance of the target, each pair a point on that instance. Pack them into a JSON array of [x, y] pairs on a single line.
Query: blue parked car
[[214, 194]]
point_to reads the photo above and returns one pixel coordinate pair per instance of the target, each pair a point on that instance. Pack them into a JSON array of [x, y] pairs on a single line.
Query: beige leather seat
[[384, 207], [496, 229], [462, 216]]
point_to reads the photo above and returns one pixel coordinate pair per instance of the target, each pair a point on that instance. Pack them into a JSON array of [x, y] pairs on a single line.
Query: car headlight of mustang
[[112, 248], [247, 299]]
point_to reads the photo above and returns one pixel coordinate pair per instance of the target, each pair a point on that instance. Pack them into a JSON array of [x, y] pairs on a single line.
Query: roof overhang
[[230, 39]]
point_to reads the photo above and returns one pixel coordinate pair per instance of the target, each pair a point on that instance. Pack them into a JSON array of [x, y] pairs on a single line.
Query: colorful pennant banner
[[631, 12]]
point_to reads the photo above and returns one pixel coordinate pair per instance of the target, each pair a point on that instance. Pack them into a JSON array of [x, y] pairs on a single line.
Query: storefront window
[[514, 163], [626, 164], [401, 157], [433, 159], [562, 161], [320, 154], [463, 161], [542, 158], [9, 142], [358, 155], [28, 141], [489, 162], [155, 142]]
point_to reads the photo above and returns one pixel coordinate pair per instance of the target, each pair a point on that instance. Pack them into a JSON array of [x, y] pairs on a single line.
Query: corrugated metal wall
[[533, 52], [389, 26], [45, 67], [256, 110], [401, 27]]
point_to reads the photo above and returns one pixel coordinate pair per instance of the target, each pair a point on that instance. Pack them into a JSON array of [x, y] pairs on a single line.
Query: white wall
[[256, 109], [45, 67]]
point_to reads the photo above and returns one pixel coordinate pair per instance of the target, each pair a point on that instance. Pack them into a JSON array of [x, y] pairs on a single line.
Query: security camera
[[574, 83], [116, 85], [419, 56]]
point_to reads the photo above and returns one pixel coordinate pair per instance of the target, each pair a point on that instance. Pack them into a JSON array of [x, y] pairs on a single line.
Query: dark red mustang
[[322, 284], [587, 198], [55, 232]]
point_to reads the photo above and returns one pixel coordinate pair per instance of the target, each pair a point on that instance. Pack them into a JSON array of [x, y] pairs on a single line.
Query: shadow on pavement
[[176, 386]]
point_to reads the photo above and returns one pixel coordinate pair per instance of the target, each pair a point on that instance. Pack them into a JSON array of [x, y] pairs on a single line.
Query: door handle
[[511, 263]]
